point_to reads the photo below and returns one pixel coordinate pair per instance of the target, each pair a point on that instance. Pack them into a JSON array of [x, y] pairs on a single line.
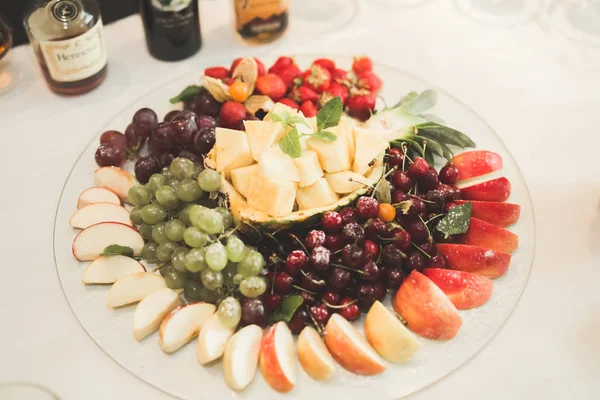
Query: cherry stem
[[304, 290], [348, 268], [426, 227], [421, 250]]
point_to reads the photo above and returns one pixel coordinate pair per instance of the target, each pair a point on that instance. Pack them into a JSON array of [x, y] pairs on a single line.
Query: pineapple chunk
[[309, 168], [369, 146], [273, 198], [282, 111], [262, 135], [278, 166], [312, 121], [348, 131], [333, 156], [240, 178], [233, 150], [318, 194], [345, 181]]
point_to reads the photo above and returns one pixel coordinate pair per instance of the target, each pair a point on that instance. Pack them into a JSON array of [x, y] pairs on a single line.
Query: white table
[[535, 87]]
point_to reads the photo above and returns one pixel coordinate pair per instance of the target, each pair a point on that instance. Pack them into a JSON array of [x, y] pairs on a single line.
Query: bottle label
[[173, 14], [257, 16], [75, 59]]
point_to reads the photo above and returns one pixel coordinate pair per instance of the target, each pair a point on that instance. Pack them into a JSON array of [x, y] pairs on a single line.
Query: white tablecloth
[[534, 79]]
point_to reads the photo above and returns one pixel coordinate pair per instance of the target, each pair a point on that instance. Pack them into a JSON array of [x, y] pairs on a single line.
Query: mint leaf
[[116, 250], [288, 308], [290, 144], [189, 93], [298, 120], [274, 117], [329, 115], [326, 136], [457, 220]]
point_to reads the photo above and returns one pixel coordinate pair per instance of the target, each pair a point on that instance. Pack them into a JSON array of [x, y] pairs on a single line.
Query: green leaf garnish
[[383, 191], [457, 220], [296, 119], [117, 250], [274, 117], [189, 93], [326, 136], [290, 144], [329, 115], [288, 308]]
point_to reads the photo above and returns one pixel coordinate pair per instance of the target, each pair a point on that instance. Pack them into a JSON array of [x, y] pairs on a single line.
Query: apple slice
[[93, 214], [97, 195], [475, 259], [91, 242], [472, 164], [465, 290], [499, 214], [212, 339], [495, 190], [484, 234], [151, 311], [115, 179], [314, 356], [183, 324], [350, 349], [108, 269], [133, 288], [240, 358], [388, 336], [426, 309], [277, 358]]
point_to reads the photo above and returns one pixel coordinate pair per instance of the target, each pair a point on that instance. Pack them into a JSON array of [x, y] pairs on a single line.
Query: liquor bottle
[[68, 41], [172, 28], [261, 21]]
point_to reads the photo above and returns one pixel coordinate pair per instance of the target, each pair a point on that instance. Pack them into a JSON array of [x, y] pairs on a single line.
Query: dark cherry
[[437, 261], [351, 311], [170, 115], [418, 169], [320, 258], [417, 230], [299, 321], [401, 181], [414, 261], [107, 155], [394, 277], [338, 279], [391, 257], [330, 297], [375, 229], [429, 248], [429, 181], [449, 174], [320, 313], [183, 130], [398, 196], [254, 313], [272, 301], [348, 215], [283, 283], [296, 261], [457, 193], [309, 298], [333, 242], [145, 120], [401, 239], [367, 207], [145, 167], [371, 250], [352, 233], [205, 121], [114, 138], [371, 271], [448, 191], [395, 157], [353, 255], [435, 201], [314, 239], [366, 294], [417, 207], [331, 221], [380, 291], [204, 140], [309, 280]]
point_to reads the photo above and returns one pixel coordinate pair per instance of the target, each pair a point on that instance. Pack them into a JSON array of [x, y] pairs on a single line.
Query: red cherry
[[351, 312], [418, 168], [299, 321], [449, 174], [371, 249], [314, 239], [401, 181], [295, 262], [367, 207], [330, 297], [331, 221], [401, 239], [283, 283], [333, 242], [395, 157], [272, 301], [320, 313]]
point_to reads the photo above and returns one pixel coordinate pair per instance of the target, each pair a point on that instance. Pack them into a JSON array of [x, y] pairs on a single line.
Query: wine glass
[[499, 12], [8, 74], [316, 18], [577, 20]]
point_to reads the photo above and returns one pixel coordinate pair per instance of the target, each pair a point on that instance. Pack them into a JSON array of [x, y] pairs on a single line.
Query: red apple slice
[[115, 179], [426, 309], [240, 358], [350, 349], [314, 356], [465, 290], [151, 311], [183, 324], [484, 234], [475, 259], [388, 336], [277, 358], [133, 288], [495, 190], [499, 214], [212, 339], [91, 242], [107, 270], [472, 164], [97, 195], [93, 214]]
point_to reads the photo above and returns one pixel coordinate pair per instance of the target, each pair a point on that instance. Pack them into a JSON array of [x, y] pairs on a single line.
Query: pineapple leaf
[[448, 154], [444, 134], [422, 102]]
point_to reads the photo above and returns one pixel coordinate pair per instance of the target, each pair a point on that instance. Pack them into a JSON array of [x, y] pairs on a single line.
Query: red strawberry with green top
[[280, 64], [217, 72], [289, 74], [304, 93], [335, 90], [290, 103], [361, 106], [271, 85], [362, 64], [340, 76], [325, 63], [317, 78], [308, 109], [232, 114], [369, 81]]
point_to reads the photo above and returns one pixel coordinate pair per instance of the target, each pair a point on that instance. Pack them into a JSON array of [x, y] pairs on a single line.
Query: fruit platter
[[292, 227]]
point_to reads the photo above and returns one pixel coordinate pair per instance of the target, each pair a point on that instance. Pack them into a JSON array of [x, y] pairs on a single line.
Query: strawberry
[[304, 93], [280, 64], [271, 85], [290, 103], [362, 64], [326, 63], [369, 81], [361, 106], [317, 78], [217, 72], [259, 65], [335, 90], [339, 75], [232, 114], [288, 74], [308, 109]]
